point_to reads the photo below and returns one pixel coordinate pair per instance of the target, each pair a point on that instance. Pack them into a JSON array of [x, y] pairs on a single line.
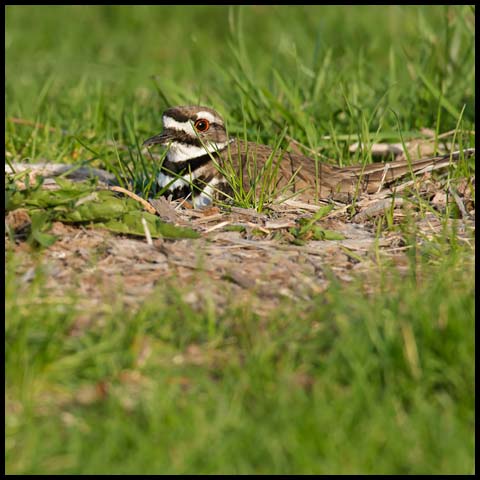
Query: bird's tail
[[374, 176]]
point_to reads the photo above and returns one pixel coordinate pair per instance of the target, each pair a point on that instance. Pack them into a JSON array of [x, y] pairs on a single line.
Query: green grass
[[104, 90], [349, 383], [373, 377]]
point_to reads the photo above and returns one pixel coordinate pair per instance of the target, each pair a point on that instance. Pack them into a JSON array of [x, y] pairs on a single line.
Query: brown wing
[[371, 178], [283, 172], [311, 179]]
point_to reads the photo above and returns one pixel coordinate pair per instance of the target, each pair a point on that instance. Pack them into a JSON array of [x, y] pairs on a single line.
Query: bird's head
[[190, 131]]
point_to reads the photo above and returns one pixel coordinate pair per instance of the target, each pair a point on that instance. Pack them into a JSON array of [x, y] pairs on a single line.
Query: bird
[[202, 158]]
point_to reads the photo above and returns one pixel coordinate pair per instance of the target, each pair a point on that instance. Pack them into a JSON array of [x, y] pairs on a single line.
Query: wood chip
[[208, 219], [248, 212], [18, 220], [279, 224], [216, 227], [302, 205], [51, 170], [148, 235], [240, 279], [377, 208], [164, 209]]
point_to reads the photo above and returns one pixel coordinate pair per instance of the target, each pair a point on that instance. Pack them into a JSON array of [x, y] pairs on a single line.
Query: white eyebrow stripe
[[187, 127], [180, 152], [207, 116]]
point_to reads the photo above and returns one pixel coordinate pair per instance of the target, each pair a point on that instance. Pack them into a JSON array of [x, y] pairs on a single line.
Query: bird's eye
[[202, 125]]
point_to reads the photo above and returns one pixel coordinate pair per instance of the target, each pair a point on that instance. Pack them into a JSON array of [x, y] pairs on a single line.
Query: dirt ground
[[241, 256]]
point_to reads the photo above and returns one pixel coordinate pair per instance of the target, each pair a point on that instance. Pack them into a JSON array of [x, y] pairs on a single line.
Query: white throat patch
[[179, 152]]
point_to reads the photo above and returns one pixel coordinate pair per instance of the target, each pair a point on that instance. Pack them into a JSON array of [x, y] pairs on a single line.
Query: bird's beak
[[162, 139]]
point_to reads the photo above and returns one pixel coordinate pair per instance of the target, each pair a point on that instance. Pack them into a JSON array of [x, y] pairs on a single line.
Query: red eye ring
[[202, 125]]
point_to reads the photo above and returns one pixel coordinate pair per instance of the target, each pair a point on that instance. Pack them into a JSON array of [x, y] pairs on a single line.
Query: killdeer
[[199, 153]]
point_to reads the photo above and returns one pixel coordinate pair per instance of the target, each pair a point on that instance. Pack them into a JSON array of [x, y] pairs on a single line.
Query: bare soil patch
[[242, 255]]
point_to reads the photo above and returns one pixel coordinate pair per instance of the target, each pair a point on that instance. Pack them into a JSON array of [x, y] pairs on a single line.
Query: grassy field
[[374, 375]]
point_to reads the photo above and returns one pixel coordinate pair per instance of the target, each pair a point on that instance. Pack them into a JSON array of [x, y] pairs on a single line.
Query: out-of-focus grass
[[348, 383], [103, 75]]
